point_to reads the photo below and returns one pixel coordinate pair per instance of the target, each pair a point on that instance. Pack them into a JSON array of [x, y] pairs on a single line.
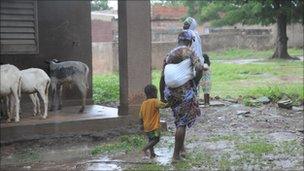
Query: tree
[[98, 5], [264, 12]]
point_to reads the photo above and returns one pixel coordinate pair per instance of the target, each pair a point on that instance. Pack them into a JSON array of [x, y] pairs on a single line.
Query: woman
[[182, 98], [191, 24]]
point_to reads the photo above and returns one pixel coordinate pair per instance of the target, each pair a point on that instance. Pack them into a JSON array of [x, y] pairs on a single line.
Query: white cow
[[33, 81], [10, 87]]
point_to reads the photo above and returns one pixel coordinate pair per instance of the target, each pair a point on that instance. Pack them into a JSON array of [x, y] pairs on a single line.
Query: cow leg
[[16, 104], [9, 108], [60, 96], [83, 90], [38, 103], [33, 98], [54, 96], [44, 97]]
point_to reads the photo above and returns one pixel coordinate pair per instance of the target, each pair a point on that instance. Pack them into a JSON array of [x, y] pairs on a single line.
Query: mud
[[219, 134]]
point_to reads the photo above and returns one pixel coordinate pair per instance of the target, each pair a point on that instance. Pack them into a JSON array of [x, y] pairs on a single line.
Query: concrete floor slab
[[66, 122], [69, 113]]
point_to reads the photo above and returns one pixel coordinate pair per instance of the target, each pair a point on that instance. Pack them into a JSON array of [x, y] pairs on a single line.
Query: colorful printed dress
[[183, 99], [206, 81]]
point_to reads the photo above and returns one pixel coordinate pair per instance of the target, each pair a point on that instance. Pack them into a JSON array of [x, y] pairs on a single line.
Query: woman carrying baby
[[181, 94]]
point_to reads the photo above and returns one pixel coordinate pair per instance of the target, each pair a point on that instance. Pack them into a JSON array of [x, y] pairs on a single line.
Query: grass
[[152, 166], [256, 147], [125, 143], [225, 162], [223, 138], [291, 148], [196, 160], [28, 156], [249, 54], [274, 79], [105, 88]]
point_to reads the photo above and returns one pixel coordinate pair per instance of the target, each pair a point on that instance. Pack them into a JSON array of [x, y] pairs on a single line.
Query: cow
[[67, 73]]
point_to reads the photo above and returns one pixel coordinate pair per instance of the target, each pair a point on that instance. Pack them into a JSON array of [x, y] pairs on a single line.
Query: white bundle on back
[[178, 74]]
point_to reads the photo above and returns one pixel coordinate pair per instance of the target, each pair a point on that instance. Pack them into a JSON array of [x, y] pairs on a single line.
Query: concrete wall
[[295, 34], [64, 33], [103, 61], [213, 42], [105, 56], [102, 31]]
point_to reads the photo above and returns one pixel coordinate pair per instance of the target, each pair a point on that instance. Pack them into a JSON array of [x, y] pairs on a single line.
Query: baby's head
[[151, 91]]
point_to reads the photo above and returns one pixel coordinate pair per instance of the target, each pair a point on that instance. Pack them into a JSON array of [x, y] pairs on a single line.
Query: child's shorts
[[153, 134]]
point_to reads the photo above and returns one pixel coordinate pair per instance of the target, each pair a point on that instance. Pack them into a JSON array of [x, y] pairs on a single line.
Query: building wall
[[64, 33], [165, 12], [102, 31], [103, 61]]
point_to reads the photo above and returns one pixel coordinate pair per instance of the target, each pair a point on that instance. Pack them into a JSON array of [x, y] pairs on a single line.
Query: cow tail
[[87, 77]]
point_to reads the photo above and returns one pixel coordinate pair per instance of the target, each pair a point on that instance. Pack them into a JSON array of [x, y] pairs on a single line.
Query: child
[[150, 118], [206, 80]]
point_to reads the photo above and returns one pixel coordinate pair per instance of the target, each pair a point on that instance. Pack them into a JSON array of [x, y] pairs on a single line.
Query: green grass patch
[[223, 138], [125, 143], [27, 156], [274, 79], [256, 147], [291, 148], [225, 163], [105, 88], [271, 79], [249, 54], [198, 159], [276, 92], [152, 166]]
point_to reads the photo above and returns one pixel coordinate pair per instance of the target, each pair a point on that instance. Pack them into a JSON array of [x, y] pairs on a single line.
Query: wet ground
[[227, 136]]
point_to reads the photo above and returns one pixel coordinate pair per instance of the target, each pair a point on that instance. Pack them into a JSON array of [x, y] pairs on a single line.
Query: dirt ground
[[228, 136]]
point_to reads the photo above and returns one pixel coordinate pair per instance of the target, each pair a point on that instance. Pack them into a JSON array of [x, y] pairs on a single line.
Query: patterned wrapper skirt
[[184, 104], [206, 81]]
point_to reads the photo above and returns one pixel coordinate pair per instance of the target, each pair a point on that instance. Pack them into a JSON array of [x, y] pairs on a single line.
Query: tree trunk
[[281, 39]]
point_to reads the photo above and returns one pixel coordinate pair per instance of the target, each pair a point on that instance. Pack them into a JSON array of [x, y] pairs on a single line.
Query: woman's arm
[[198, 68]]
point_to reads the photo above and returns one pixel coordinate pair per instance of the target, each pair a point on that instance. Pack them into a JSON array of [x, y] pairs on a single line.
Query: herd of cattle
[[35, 82]]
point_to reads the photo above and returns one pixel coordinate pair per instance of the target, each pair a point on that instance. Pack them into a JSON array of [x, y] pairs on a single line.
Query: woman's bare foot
[[175, 159], [183, 153]]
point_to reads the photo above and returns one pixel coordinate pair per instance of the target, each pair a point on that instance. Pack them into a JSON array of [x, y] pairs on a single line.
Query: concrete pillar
[[134, 30]]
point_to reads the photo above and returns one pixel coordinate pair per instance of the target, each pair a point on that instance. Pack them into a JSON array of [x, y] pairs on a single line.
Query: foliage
[[264, 12], [230, 12], [99, 5]]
